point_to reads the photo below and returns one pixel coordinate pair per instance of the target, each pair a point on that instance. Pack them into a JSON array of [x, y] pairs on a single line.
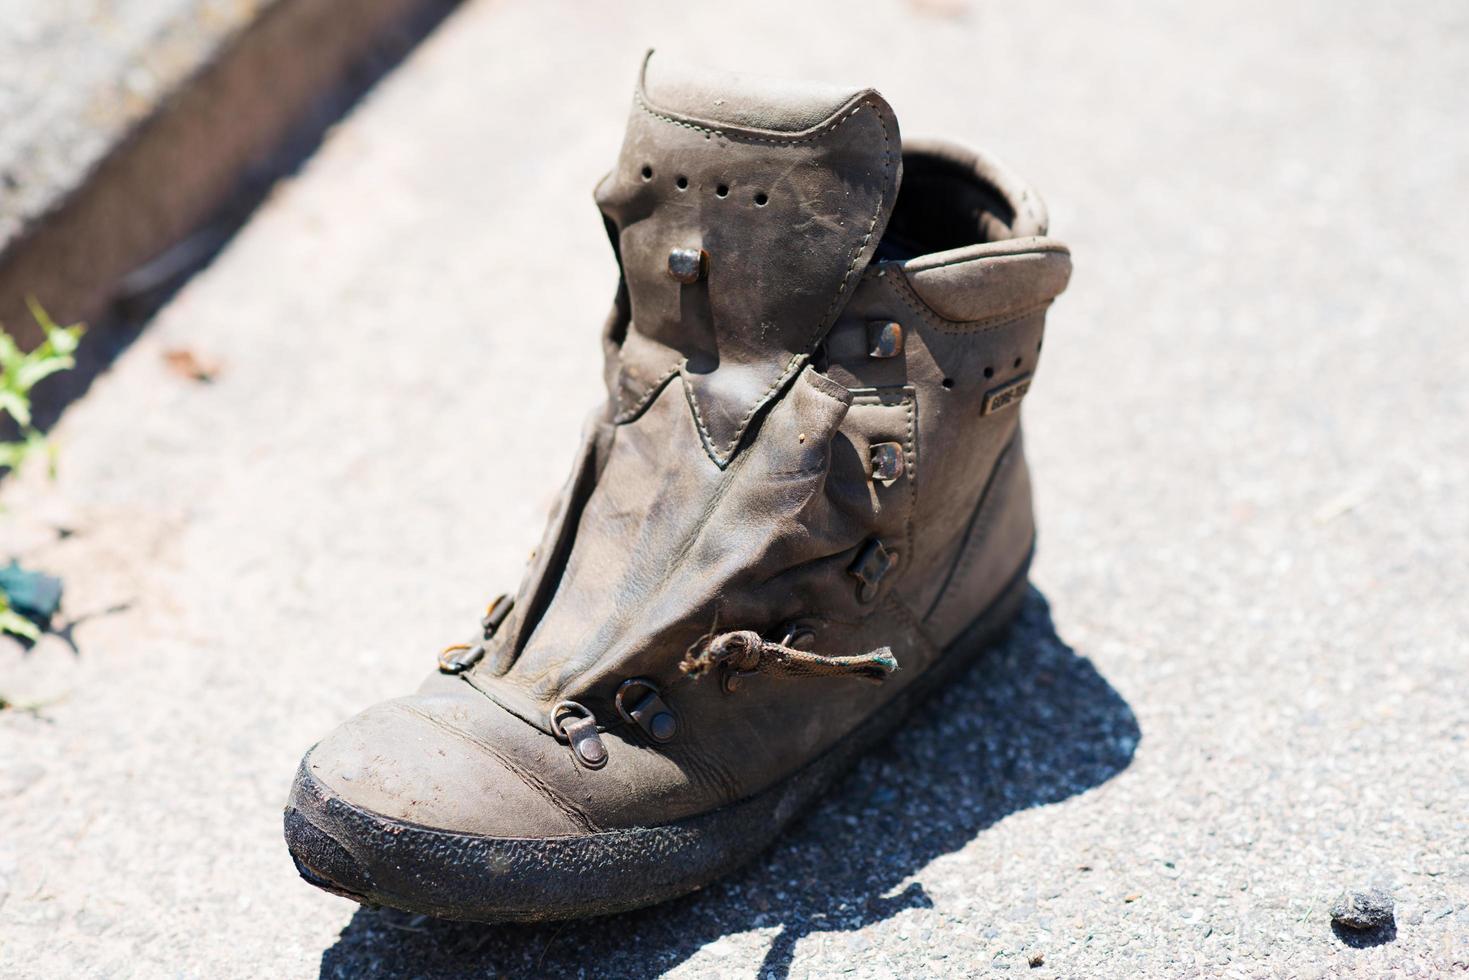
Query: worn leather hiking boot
[[802, 507]]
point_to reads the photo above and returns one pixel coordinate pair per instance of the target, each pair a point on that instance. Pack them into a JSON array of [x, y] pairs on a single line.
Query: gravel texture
[[1240, 689]]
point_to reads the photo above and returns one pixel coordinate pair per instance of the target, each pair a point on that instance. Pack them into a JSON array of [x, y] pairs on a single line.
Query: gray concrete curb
[[129, 222]]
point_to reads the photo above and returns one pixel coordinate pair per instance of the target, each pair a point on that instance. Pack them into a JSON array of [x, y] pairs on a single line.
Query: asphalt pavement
[[1239, 688]]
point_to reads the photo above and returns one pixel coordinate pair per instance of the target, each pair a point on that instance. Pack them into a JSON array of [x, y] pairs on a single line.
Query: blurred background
[[323, 404]]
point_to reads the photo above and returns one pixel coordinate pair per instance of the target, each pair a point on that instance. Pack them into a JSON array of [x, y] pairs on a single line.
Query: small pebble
[[1360, 911]]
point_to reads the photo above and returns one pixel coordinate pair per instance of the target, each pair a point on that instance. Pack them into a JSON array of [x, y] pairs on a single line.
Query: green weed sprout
[[19, 373]]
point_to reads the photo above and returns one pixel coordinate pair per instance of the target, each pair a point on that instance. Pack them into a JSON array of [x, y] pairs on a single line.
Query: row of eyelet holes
[[989, 371], [682, 183]]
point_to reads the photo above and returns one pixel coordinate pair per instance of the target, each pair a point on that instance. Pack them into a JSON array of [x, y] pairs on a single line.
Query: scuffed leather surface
[[1001, 524], [760, 102], [778, 273], [993, 280], [957, 445], [671, 545], [726, 483], [422, 759]]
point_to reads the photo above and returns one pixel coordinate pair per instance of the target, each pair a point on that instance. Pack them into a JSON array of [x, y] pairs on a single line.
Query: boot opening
[[950, 199]]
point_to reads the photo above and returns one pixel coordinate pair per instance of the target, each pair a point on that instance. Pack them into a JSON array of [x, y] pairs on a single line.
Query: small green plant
[[20, 372], [13, 622]]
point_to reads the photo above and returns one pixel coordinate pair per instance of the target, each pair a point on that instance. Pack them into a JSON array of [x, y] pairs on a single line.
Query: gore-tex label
[[1005, 395]]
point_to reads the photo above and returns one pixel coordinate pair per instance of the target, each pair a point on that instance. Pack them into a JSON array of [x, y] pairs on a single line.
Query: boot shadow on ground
[[1032, 723]]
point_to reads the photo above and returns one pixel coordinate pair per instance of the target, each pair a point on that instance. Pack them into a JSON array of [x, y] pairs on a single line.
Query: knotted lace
[[746, 651]]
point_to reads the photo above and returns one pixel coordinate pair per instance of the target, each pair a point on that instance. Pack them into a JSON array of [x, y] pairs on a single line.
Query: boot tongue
[[743, 211]]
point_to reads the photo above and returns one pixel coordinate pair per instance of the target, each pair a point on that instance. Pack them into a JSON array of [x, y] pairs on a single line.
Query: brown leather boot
[[802, 507]]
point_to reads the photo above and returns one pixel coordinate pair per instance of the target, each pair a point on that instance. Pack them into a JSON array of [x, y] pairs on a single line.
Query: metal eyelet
[[495, 614], [799, 636], [648, 711], [887, 461], [872, 563], [731, 680], [688, 265], [459, 657], [884, 339], [456, 658], [580, 733]]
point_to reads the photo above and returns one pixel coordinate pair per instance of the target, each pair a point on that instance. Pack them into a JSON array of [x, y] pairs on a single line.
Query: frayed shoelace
[[746, 651]]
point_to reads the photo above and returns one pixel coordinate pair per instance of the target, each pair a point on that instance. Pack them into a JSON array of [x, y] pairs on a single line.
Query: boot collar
[[743, 211]]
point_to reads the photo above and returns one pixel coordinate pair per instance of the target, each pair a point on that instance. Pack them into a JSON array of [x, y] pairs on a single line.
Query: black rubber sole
[[379, 861]]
